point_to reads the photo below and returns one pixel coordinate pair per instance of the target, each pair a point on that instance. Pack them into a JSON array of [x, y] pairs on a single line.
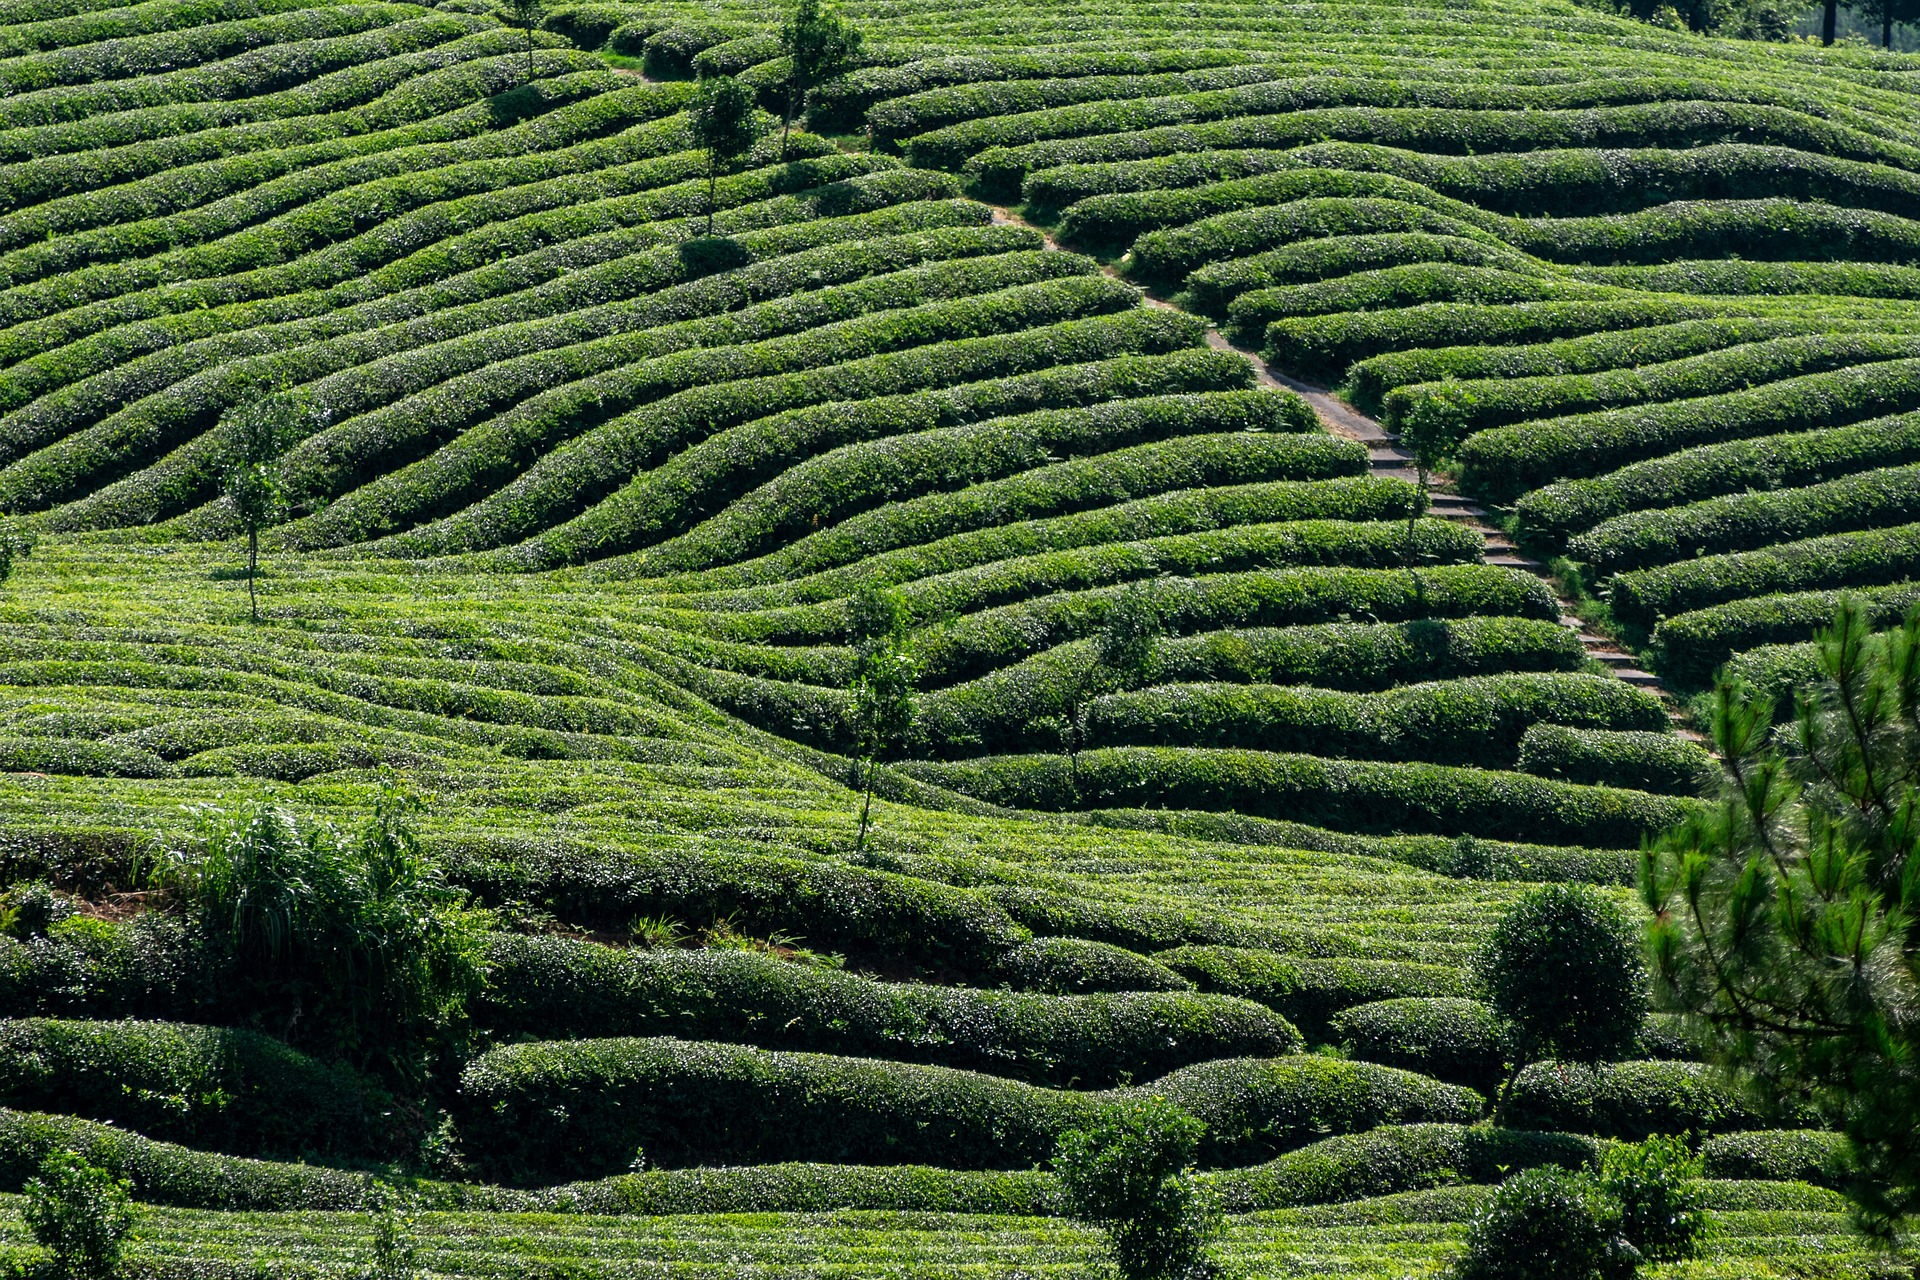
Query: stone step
[[1510, 561], [1635, 676]]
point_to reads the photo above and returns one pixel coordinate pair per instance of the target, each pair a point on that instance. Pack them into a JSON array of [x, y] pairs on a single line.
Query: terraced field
[[1007, 330]]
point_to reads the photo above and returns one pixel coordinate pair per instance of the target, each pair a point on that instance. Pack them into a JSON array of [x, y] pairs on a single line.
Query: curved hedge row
[[1490, 124], [1748, 521], [1474, 721], [1212, 289], [1345, 795], [985, 641], [1370, 381], [1171, 255], [1872, 558], [1707, 471], [838, 907], [1656, 762], [1075, 966], [219, 1088], [553, 1110], [1325, 346], [1416, 284], [1689, 647], [1475, 405], [552, 988], [1506, 461]]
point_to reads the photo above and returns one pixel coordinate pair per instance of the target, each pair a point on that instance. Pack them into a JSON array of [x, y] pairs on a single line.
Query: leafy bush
[[1646, 761], [1546, 1221], [81, 1213], [1130, 1175], [1561, 510], [1075, 966], [1564, 975], [1656, 1183]]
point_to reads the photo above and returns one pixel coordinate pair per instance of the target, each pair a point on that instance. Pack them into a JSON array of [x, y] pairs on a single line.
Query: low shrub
[[81, 1214], [1393, 1159], [1656, 1183], [224, 1089], [1626, 1100], [547, 987], [1130, 1175], [1448, 1038], [1546, 1221], [1075, 966], [1658, 762]]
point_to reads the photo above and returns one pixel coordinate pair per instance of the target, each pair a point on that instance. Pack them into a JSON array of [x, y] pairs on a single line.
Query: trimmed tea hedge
[[1346, 795], [1689, 647], [1625, 1100], [1646, 761], [1450, 1039], [551, 1110], [1076, 966], [1309, 991], [551, 988], [1693, 475], [1871, 558], [1746, 521]]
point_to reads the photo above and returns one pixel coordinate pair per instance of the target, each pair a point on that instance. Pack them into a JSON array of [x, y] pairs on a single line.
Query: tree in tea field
[[527, 14], [1131, 1175], [1563, 974], [80, 1213], [1787, 909], [884, 672], [819, 45], [252, 437], [726, 124]]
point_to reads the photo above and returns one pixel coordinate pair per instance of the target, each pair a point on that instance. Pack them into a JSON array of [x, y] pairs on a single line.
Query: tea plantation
[[1230, 741]]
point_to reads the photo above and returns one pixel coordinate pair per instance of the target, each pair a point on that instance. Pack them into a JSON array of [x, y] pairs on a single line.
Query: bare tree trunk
[[713, 177], [866, 807], [253, 571], [786, 125], [1828, 18]]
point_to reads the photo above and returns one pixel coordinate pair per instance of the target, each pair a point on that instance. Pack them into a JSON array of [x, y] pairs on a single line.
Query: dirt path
[[1389, 459]]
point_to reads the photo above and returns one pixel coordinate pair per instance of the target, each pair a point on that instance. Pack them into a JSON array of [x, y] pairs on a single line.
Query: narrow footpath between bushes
[[1389, 459]]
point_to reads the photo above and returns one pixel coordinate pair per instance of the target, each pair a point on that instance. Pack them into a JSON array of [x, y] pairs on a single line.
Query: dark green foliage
[[80, 1213], [1547, 1222], [1775, 904], [219, 1088], [29, 909], [1128, 644], [1628, 1100], [1448, 1038], [1639, 759], [1816, 1156], [559, 988], [1075, 966], [360, 934], [16, 543], [1563, 973], [1656, 1183], [1130, 1175], [1690, 647]]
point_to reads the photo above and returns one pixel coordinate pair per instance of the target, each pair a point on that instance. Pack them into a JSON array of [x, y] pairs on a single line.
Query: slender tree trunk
[[786, 125], [1415, 512], [529, 53], [713, 177], [253, 571], [1828, 18], [866, 806]]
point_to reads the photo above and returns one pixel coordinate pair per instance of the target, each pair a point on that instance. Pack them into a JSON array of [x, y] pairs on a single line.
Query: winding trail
[[1389, 459]]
